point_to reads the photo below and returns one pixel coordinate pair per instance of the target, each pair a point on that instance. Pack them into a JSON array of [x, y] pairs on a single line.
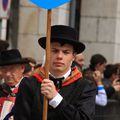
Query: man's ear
[[23, 67], [74, 55]]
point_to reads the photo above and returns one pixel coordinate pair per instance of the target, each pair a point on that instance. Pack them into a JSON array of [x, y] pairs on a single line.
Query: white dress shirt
[[101, 97], [58, 98]]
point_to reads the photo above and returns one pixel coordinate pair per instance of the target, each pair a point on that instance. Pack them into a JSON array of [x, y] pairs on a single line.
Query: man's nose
[[8, 73], [60, 55]]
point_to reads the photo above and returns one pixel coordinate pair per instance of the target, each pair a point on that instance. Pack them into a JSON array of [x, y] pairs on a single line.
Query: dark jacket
[[78, 101]]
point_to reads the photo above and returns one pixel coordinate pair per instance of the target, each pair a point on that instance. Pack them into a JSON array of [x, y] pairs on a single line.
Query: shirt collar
[[65, 75], [17, 84]]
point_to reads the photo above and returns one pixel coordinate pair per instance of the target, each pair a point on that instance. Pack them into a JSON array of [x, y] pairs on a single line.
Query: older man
[[12, 68], [70, 97], [3, 46]]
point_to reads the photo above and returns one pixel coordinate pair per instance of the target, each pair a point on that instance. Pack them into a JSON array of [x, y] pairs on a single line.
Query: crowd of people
[[74, 92], [107, 80]]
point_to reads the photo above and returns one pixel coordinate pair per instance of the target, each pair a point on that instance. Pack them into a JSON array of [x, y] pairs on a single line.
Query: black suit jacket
[[78, 101]]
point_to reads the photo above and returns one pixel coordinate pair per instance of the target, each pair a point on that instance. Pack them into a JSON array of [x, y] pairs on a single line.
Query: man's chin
[[59, 69], [10, 84]]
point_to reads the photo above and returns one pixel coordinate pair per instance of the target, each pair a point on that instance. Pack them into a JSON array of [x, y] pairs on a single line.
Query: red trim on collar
[[38, 77], [73, 80]]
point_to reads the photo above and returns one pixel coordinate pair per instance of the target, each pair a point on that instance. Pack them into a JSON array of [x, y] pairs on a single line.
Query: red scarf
[[8, 98], [74, 76]]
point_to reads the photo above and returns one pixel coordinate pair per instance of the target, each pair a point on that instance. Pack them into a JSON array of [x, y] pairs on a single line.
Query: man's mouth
[[58, 64]]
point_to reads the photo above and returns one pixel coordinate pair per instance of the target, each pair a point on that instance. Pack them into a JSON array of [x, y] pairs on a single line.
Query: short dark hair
[[62, 43], [110, 70], [97, 59]]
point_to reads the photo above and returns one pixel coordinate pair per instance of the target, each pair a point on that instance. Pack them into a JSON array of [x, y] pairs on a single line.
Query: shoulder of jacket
[[86, 81]]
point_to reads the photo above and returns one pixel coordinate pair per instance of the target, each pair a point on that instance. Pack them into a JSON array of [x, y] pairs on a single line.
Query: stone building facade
[[99, 27], [32, 25]]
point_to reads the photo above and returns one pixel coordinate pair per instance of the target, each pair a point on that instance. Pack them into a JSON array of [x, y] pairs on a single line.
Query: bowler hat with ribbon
[[64, 34], [10, 57], [3, 45]]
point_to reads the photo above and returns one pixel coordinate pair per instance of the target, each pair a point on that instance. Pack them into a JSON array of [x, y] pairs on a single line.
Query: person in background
[[29, 67], [95, 73], [28, 70], [112, 86], [111, 80], [69, 96], [12, 68], [32, 62], [79, 61], [3, 46], [98, 62]]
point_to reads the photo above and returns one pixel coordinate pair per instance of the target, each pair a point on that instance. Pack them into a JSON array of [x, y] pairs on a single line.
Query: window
[[75, 11]]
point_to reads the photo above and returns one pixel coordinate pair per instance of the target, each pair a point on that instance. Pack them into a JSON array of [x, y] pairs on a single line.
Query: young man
[[69, 97], [12, 68], [95, 73]]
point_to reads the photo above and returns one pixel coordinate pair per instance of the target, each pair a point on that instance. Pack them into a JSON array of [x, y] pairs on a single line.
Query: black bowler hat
[[10, 57], [64, 34], [3, 45]]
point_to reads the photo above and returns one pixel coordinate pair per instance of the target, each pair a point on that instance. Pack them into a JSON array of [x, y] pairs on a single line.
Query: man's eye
[[55, 51], [66, 52]]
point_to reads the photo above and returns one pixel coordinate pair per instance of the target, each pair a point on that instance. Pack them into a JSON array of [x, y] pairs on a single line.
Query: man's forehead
[[61, 45], [80, 56], [9, 66]]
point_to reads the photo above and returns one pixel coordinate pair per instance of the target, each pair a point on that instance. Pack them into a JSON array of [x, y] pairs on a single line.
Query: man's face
[[0, 75], [101, 67], [61, 58], [12, 74], [79, 58]]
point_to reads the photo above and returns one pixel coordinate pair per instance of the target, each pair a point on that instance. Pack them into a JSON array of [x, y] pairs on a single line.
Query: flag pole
[[48, 37], [48, 5]]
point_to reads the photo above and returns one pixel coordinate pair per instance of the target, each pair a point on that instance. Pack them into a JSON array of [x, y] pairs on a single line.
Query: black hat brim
[[78, 46], [12, 62]]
